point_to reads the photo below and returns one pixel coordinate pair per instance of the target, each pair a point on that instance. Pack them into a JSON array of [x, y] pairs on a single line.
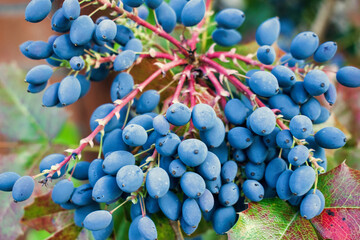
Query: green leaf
[[70, 232], [35, 235], [271, 219], [21, 116], [341, 217], [69, 135], [164, 229], [121, 222]]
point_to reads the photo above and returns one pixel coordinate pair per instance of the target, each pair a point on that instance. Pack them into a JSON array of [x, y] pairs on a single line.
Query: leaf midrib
[[287, 227]]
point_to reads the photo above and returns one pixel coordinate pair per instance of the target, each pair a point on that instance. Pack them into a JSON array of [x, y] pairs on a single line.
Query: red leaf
[[338, 223], [341, 217], [43, 213]]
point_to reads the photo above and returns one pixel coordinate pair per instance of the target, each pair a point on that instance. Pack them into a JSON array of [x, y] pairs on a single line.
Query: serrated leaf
[[272, 219], [70, 232], [341, 217], [21, 115]]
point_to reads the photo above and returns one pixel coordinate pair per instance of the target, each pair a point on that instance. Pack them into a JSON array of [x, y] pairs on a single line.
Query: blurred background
[[28, 131]]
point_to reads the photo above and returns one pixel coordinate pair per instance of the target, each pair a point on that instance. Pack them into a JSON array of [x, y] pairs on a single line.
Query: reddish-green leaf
[[43, 213], [70, 232], [275, 219], [272, 219], [341, 217]]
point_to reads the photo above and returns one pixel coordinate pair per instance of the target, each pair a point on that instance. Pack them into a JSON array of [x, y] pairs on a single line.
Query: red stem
[[116, 110], [143, 23], [238, 84], [246, 60], [211, 92], [194, 40], [219, 89], [148, 55], [158, 55], [192, 91], [281, 124], [180, 85]]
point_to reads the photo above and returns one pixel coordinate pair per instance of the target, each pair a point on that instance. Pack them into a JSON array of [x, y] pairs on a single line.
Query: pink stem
[[143, 23], [281, 124], [116, 110], [192, 91], [212, 93], [219, 89], [239, 85], [154, 55], [158, 55], [246, 60], [180, 85], [194, 40]]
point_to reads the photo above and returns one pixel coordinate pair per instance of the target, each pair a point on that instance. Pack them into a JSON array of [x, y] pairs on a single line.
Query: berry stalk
[[239, 85], [149, 26], [180, 85], [120, 104], [246, 60]]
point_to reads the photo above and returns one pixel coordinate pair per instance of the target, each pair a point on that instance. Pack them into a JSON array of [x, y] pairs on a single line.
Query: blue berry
[[37, 10], [230, 18], [304, 45], [268, 32], [7, 181], [193, 12], [266, 54], [77, 63], [226, 37], [325, 51]]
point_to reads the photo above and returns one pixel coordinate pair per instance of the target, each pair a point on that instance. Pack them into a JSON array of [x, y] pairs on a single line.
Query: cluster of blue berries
[[262, 149]]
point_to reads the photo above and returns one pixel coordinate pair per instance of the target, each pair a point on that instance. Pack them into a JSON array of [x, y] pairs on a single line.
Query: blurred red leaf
[[43, 213]]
